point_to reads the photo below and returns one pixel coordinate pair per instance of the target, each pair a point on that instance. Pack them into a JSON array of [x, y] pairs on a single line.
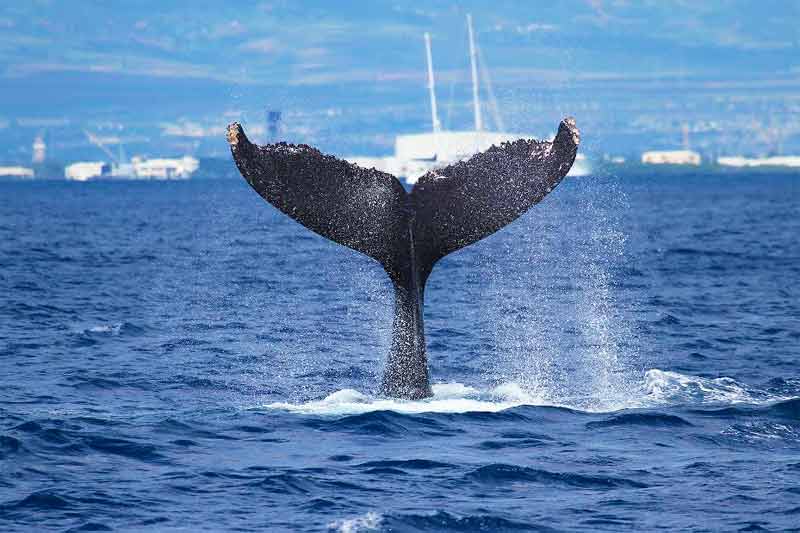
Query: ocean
[[182, 357]]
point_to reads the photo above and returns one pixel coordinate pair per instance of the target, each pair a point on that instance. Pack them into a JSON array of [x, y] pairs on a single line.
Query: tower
[[273, 123], [39, 150]]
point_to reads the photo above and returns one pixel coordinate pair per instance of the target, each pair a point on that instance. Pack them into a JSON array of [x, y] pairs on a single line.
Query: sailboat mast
[[476, 99], [431, 86]]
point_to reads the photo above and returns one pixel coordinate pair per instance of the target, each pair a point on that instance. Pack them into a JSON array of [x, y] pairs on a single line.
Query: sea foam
[[658, 388], [367, 522]]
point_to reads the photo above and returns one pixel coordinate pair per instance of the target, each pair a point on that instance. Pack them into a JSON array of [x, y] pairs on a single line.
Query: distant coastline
[[225, 169]]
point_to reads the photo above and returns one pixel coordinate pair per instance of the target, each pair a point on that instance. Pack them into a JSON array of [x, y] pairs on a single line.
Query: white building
[[138, 168], [135, 168], [86, 170], [792, 161], [181, 168], [671, 157], [16, 172]]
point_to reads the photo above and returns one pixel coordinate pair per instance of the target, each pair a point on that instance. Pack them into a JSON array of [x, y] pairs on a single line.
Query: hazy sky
[[179, 60], [317, 42]]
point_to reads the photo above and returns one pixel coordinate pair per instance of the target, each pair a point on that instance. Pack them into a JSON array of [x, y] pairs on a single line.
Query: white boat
[[416, 154]]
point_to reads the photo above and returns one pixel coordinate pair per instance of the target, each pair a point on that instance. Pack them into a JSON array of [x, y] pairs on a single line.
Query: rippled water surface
[[180, 356]]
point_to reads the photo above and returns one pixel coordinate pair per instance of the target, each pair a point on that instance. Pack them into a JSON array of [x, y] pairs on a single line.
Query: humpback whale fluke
[[407, 233]]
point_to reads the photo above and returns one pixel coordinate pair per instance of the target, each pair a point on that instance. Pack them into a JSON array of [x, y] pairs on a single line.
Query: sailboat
[[418, 153]]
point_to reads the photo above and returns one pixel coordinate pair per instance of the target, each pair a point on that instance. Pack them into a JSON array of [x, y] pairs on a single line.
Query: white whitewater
[[659, 388]]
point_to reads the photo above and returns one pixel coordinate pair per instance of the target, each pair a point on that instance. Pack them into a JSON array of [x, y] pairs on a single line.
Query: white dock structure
[[138, 168], [789, 161]]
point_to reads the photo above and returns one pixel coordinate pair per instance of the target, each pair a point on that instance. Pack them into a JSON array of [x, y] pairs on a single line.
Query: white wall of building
[[671, 157], [86, 170]]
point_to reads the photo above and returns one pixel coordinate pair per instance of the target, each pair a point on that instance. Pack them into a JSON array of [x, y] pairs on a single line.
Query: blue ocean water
[[180, 356]]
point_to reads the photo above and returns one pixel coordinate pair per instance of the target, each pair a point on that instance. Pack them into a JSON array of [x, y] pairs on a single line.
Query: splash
[[657, 389], [447, 398], [554, 307], [367, 522]]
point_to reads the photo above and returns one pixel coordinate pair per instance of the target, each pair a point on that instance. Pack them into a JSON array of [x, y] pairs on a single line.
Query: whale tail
[[407, 233]]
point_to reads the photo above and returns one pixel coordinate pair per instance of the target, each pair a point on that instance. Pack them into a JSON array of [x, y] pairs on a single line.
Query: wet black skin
[[406, 232]]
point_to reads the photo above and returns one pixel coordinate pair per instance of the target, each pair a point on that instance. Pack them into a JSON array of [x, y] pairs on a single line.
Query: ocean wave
[[285, 483], [44, 500], [788, 409], [505, 473], [9, 446], [89, 526], [762, 433], [445, 521], [123, 448], [663, 387], [112, 330], [409, 464], [434, 521], [640, 419]]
